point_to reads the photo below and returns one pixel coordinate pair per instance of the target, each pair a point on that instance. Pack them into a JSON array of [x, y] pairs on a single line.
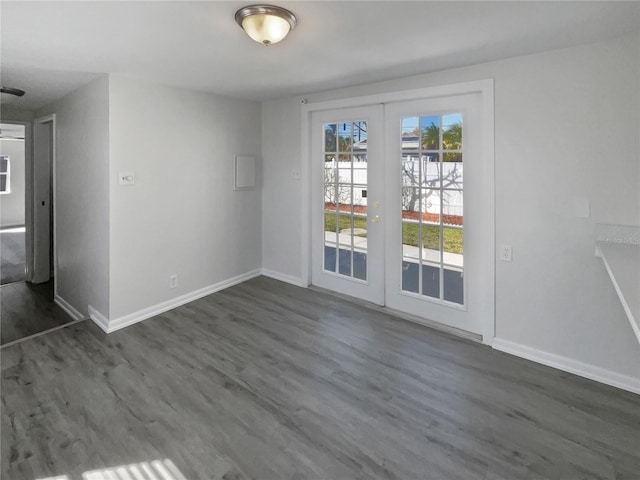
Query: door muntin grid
[[345, 187], [431, 155]]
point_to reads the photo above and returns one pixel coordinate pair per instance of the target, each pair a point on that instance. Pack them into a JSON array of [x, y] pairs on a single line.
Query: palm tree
[[452, 137], [430, 137], [330, 138], [344, 144]]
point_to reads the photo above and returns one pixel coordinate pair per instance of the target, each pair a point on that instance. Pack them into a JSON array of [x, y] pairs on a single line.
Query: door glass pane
[[344, 261], [410, 133], [410, 272], [453, 246], [359, 167], [330, 239], [330, 192], [431, 281], [432, 206], [430, 169], [430, 132], [410, 169], [345, 140], [344, 174], [453, 207], [431, 244], [359, 137], [329, 258], [452, 170], [359, 265], [360, 199], [330, 135], [452, 132], [345, 198], [345, 233], [411, 203], [453, 286], [410, 236]]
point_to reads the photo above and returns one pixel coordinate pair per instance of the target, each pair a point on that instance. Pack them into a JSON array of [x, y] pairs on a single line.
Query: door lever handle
[[375, 218]]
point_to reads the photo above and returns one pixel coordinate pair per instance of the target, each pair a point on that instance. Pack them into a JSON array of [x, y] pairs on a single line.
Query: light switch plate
[[506, 253], [126, 178]]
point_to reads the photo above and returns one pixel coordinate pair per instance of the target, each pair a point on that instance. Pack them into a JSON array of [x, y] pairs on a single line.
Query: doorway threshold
[[39, 334], [474, 337]]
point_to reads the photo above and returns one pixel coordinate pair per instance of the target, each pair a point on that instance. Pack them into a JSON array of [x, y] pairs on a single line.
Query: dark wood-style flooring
[[27, 309], [265, 380], [12, 256]]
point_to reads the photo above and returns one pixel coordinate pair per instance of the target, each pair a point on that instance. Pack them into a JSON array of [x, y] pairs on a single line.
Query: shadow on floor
[[27, 309]]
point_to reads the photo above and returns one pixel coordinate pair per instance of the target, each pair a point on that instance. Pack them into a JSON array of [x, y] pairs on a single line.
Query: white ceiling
[[51, 48]]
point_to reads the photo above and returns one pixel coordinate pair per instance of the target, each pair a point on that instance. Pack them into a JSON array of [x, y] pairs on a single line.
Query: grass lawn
[[453, 241], [344, 221]]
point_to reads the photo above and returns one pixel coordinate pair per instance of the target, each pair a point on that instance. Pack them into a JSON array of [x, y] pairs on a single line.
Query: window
[[432, 205], [345, 199], [5, 174]]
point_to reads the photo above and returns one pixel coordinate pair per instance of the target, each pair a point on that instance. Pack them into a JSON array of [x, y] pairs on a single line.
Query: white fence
[[430, 180]]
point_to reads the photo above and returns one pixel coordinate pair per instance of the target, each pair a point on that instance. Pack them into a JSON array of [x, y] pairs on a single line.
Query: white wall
[[12, 207], [82, 201], [281, 193], [560, 117], [182, 215], [9, 113]]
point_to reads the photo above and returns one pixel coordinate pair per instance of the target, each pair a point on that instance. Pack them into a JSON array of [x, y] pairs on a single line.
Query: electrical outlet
[[295, 173], [173, 280], [506, 253]]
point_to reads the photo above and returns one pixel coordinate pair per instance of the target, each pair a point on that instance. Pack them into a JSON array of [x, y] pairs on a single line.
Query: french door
[[348, 190], [399, 208]]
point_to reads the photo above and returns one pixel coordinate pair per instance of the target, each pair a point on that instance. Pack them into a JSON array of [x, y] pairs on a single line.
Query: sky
[[410, 123]]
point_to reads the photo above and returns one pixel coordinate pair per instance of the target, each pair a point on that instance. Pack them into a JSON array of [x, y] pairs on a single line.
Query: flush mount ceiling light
[[266, 24], [12, 91]]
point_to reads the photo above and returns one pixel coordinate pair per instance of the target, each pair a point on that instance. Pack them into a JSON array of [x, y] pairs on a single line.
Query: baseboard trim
[[570, 365], [99, 319], [68, 308], [283, 277], [135, 317], [441, 327]]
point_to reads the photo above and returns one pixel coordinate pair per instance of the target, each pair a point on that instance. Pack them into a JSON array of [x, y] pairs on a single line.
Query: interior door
[[41, 226], [347, 201], [439, 249]]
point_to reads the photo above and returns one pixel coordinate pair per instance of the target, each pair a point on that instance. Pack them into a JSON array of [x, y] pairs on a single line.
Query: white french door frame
[[371, 289], [485, 89]]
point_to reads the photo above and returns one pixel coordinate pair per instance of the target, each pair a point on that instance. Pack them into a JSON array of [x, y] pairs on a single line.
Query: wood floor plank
[[27, 309], [265, 380]]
